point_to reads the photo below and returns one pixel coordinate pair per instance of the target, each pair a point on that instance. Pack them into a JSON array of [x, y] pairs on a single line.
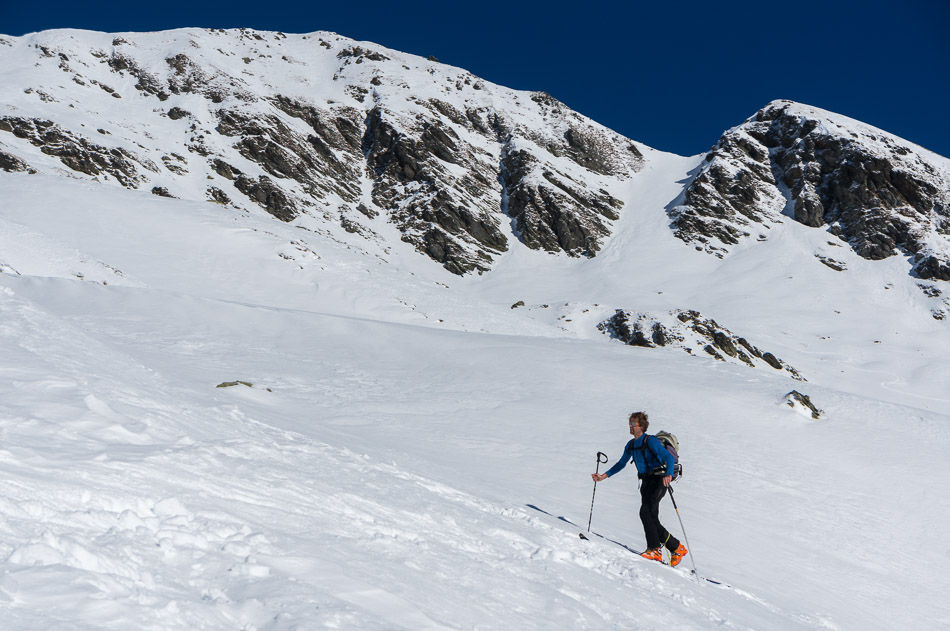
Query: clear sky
[[673, 75]]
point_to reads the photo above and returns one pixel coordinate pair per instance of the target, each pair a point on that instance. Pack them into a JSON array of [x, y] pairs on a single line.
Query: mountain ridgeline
[[370, 139], [320, 125], [875, 192]]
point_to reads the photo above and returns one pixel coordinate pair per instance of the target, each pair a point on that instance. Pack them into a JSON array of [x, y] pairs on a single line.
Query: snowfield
[[212, 419], [380, 472]]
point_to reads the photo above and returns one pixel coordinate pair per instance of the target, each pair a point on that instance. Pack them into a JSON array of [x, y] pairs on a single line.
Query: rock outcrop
[[874, 191], [76, 152], [802, 403], [438, 188], [10, 163], [690, 332]]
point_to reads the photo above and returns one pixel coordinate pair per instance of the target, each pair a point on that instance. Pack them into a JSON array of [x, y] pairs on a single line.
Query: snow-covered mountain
[[319, 125], [878, 193], [301, 332]]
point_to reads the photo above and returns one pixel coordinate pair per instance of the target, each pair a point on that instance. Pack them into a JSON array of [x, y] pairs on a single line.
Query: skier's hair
[[641, 419]]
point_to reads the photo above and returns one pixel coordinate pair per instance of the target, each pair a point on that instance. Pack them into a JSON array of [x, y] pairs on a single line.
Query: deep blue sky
[[673, 75]]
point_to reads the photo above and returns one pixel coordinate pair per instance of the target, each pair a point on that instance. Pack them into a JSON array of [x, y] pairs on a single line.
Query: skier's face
[[635, 429]]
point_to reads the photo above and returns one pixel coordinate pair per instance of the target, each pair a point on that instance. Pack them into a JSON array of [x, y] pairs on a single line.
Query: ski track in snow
[[128, 498]]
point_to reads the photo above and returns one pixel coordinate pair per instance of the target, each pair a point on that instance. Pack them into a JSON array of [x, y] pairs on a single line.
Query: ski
[[586, 536], [589, 536], [710, 580]]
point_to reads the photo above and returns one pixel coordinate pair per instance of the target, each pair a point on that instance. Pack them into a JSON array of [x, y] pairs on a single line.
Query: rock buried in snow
[[689, 330], [228, 384], [802, 403]]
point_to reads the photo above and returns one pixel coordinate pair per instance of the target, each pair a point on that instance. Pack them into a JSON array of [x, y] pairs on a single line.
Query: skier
[[655, 469]]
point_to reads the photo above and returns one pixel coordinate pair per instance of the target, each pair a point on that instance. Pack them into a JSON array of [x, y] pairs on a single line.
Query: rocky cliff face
[[317, 125], [879, 194]]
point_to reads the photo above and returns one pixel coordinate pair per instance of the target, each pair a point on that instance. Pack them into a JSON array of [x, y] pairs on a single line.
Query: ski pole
[[599, 462], [691, 555]]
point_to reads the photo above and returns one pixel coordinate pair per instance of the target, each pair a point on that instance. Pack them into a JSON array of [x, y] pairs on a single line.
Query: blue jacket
[[647, 457]]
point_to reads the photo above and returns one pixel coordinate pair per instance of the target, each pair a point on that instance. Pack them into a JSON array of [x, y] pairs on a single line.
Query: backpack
[[672, 445]]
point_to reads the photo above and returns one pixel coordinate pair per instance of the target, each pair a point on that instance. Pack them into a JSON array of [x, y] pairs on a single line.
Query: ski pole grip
[[599, 454]]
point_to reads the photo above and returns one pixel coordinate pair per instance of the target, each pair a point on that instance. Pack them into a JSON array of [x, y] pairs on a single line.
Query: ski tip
[[707, 579]]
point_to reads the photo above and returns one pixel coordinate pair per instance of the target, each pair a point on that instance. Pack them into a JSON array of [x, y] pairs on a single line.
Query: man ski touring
[[655, 470]]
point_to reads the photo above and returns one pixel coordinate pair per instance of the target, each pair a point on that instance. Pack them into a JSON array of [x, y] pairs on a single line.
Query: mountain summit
[[878, 193]]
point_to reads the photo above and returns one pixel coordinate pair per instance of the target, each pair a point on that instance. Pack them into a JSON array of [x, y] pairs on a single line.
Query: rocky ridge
[[875, 192], [692, 333], [317, 125], [366, 139]]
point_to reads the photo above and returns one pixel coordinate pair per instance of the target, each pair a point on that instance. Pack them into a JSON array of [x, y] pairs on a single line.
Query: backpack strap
[[646, 447], [658, 460]]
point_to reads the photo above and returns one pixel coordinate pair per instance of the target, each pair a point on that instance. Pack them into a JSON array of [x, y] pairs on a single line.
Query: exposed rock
[[217, 195], [190, 78], [931, 265], [161, 191], [772, 361], [686, 330], [366, 211], [174, 164], [802, 402], [231, 384], [836, 265], [733, 191], [558, 217], [224, 169], [594, 148], [284, 153], [270, 197], [340, 129], [861, 184], [454, 224], [453, 174], [11, 163], [361, 53], [147, 83], [176, 113], [77, 153]]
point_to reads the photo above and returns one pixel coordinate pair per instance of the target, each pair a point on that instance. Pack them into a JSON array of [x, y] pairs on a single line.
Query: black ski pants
[[651, 492]]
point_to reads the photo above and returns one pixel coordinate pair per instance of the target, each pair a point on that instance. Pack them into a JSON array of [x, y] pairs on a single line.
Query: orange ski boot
[[653, 555], [678, 555]]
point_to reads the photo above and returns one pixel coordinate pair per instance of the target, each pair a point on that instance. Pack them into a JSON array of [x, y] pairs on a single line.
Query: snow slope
[[379, 471]]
